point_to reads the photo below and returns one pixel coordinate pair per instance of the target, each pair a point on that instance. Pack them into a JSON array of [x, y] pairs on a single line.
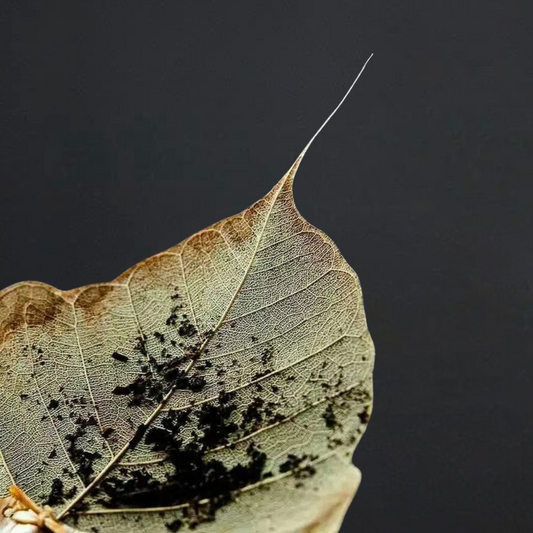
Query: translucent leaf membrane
[[222, 383]]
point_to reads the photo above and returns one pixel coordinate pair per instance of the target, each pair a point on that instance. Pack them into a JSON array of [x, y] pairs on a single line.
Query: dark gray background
[[127, 126]]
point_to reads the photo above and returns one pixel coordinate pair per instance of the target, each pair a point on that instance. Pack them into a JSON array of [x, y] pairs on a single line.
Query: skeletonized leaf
[[221, 383]]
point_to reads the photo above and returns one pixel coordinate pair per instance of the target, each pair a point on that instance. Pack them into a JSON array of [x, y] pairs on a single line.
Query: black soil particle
[[175, 525], [119, 357], [122, 391], [330, 418], [83, 460], [214, 422], [266, 355], [253, 415], [300, 466], [196, 383], [107, 432], [186, 329], [137, 437], [159, 438], [193, 353], [364, 416], [57, 495], [54, 404]]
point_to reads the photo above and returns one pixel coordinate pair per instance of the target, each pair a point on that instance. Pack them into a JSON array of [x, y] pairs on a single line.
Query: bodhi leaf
[[222, 384]]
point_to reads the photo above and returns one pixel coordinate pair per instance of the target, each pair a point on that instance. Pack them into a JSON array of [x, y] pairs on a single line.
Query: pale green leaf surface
[[274, 318]]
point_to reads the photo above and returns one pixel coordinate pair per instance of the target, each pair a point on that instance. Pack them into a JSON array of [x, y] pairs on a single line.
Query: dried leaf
[[222, 383]]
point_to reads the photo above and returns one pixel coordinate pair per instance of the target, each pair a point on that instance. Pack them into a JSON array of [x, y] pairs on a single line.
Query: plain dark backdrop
[[127, 126]]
